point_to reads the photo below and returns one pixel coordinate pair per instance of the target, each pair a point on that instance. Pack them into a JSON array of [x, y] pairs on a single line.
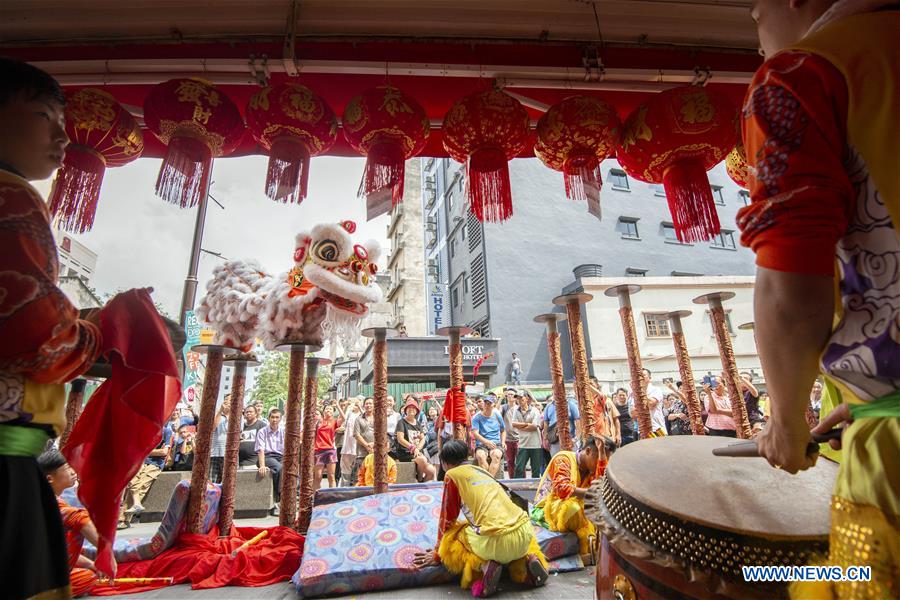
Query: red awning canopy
[[542, 51]]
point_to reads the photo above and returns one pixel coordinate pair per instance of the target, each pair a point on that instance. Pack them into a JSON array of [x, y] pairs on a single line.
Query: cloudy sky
[[143, 241]]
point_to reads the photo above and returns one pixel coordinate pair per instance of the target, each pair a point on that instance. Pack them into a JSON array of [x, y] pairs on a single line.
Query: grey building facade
[[497, 277]]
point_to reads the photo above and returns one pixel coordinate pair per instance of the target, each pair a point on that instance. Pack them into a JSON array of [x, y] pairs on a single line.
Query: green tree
[[271, 386]]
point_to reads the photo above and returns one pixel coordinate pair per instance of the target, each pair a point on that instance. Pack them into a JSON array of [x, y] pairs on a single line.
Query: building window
[[627, 226], [618, 179], [463, 232], [657, 325], [669, 233], [452, 247], [629, 272], [725, 239], [454, 297], [465, 283], [460, 184], [658, 189], [718, 196], [449, 200], [744, 196]]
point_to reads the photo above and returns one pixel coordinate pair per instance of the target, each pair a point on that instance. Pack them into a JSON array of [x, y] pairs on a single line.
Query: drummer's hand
[[424, 559], [841, 414], [784, 444]]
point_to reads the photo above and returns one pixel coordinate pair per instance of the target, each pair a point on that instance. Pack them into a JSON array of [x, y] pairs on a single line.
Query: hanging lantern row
[[673, 138], [574, 137], [197, 123], [102, 134], [293, 124]]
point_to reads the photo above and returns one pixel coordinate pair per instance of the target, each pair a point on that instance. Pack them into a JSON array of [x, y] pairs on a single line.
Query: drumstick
[[255, 540], [748, 448], [137, 580]]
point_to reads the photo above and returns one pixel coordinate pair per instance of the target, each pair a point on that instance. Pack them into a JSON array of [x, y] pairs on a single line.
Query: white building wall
[[603, 326]]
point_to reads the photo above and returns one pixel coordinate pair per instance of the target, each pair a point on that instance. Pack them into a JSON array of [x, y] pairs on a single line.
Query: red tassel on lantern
[[673, 139], [573, 137], [197, 123], [294, 124], [484, 131], [388, 127], [102, 135]]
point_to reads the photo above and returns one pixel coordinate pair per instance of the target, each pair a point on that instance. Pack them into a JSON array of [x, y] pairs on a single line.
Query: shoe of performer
[[536, 570], [490, 580]]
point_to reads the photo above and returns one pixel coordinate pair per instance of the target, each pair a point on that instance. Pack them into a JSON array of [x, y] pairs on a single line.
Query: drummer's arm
[[793, 321]]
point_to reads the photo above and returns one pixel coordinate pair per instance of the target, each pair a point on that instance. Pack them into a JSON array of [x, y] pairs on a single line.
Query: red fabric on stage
[[122, 422], [205, 561]]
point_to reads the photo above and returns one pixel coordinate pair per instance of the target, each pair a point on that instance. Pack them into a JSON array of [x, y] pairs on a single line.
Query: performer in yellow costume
[[367, 471], [496, 532], [559, 502], [820, 126]]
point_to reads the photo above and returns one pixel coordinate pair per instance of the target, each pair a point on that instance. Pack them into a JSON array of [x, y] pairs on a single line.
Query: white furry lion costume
[[325, 295], [234, 301]]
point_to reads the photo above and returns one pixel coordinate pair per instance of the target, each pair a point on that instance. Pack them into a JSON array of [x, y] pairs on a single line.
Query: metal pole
[[729, 366], [688, 385], [380, 381], [457, 380], [307, 449], [200, 470], [623, 293], [290, 470], [232, 447], [556, 375], [189, 296], [573, 303]]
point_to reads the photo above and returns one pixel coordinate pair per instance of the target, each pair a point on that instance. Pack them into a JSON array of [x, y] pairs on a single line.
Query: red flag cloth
[[124, 418], [205, 561], [455, 407]]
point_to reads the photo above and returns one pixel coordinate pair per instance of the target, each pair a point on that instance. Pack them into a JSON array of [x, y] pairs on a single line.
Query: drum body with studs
[[678, 522]]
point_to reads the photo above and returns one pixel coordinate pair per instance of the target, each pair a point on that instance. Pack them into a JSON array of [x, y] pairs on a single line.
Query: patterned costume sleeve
[[43, 339], [451, 504], [73, 519], [561, 475], [794, 134]]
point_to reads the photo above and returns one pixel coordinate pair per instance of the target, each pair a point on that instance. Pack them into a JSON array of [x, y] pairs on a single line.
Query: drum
[[678, 522]]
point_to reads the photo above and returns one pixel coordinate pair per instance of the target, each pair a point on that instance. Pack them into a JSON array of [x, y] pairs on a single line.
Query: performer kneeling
[[559, 502], [496, 531], [75, 520]]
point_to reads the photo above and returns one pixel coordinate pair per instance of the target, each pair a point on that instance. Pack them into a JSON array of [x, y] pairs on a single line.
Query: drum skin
[[678, 522]]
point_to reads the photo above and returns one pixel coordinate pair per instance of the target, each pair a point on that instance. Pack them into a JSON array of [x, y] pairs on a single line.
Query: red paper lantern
[[388, 127], [574, 136], [198, 123], [293, 124], [673, 139], [737, 167], [484, 131], [102, 135]]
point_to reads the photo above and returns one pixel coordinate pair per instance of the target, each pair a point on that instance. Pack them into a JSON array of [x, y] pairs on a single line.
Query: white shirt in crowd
[[349, 446], [657, 419]]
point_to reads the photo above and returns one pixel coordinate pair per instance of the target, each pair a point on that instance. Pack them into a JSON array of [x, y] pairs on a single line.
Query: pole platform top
[[580, 297], [373, 332], [460, 329], [550, 317], [207, 348], [317, 361], [628, 288], [678, 314], [749, 326], [247, 359], [290, 345], [713, 297]]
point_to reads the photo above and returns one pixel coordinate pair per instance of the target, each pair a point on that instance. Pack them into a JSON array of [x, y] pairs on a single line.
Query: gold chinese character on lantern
[[697, 108], [200, 115], [393, 102]]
